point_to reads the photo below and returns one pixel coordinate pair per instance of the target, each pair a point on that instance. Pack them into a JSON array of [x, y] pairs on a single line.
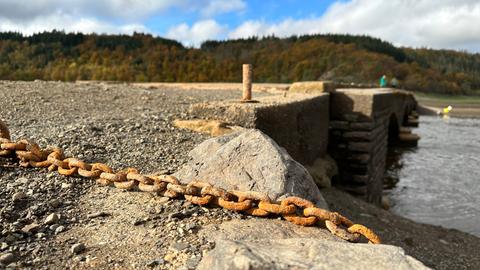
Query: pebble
[[19, 196], [193, 262], [30, 228], [169, 257], [98, 214], [51, 219], [178, 246], [155, 262], [7, 258], [66, 185], [77, 248], [55, 203], [22, 180], [59, 229]]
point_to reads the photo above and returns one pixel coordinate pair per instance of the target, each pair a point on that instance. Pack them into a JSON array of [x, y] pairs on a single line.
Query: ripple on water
[[440, 180]]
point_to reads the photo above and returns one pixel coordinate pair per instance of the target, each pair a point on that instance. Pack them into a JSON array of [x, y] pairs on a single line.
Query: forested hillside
[[360, 59]]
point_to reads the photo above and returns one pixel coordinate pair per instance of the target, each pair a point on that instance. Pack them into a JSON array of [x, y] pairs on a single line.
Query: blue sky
[[450, 24], [267, 10]]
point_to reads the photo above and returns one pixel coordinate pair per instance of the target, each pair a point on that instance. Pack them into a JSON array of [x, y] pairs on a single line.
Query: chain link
[[294, 209]]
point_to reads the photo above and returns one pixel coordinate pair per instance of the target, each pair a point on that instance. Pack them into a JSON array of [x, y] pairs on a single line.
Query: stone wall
[[360, 149], [297, 122], [362, 123]]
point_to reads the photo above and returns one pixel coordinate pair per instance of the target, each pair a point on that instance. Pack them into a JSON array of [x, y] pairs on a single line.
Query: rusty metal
[[342, 233], [277, 208], [369, 234], [234, 206], [294, 209]]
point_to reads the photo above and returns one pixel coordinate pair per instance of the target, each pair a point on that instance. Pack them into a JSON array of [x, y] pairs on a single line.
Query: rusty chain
[[294, 209]]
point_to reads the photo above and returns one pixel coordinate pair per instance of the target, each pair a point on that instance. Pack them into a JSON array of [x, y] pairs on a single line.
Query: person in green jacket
[[383, 81]]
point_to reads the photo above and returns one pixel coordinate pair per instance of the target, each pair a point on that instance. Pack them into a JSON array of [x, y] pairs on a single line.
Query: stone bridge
[[312, 120]]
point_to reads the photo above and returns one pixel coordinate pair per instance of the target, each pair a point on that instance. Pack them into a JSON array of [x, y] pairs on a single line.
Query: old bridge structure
[[355, 126]]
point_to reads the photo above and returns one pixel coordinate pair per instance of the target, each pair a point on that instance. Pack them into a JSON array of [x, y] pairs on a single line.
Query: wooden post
[[247, 82]]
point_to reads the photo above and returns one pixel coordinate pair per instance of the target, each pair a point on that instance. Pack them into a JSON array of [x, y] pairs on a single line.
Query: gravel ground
[[117, 124], [52, 222]]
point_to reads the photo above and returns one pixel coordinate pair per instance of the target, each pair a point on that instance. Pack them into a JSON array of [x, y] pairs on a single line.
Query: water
[[439, 182]]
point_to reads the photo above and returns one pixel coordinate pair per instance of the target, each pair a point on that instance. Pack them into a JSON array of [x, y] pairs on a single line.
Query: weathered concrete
[[297, 122], [317, 87]]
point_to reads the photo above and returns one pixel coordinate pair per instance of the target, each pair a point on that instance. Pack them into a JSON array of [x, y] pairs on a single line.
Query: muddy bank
[[123, 125]]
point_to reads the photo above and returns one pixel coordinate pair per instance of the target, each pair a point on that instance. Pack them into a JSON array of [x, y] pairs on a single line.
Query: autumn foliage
[[141, 57]]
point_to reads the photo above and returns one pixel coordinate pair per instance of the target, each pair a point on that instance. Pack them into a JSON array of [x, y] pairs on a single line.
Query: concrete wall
[[297, 122]]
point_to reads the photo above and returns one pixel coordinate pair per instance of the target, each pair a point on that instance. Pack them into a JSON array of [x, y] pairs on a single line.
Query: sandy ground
[[124, 125]]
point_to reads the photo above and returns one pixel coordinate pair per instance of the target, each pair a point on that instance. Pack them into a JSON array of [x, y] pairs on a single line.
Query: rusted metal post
[[247, 82]]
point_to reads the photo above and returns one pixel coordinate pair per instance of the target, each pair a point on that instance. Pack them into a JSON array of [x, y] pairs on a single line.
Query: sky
[[439, 24]]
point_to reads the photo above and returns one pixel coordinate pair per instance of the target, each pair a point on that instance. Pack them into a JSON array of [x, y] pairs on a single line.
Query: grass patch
[[447, 99]]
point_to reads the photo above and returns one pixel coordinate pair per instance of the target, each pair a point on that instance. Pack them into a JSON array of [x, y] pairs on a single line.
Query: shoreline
[[133, 128], [462, 106]]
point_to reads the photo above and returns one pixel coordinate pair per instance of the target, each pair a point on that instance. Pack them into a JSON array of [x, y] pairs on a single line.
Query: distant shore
[[463, 106]]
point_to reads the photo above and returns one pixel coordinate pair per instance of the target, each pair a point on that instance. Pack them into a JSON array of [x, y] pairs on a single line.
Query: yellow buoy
[[446, 110]]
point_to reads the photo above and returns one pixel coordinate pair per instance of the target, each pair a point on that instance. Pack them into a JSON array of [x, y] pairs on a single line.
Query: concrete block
[[314, 87], [297, 122]]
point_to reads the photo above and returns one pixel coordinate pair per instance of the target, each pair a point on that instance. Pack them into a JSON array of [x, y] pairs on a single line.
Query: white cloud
[[116, 9], [222, 6], [197, 33], [438, 24], [69, 24], [108, 16]]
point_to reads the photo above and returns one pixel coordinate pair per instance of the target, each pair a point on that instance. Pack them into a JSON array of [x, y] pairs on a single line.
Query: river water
[[439, 182]]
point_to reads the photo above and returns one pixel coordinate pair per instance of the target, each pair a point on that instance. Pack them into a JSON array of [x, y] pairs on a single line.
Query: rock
[[19, 196], [51, 219], [30, 228], [155, 262], [4, 133], [66, 185], [77, 248], [169, 257], [322, 171], [247, 229], [55, 203], [385, 202], [178, 246], [7, 258], [212, 127], [98, 214], [59, 229], [192, 262], [305, 253], [250, 160]]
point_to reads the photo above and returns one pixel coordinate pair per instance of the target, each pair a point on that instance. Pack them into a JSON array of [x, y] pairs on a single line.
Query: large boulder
[[305, 253], [250, 160]]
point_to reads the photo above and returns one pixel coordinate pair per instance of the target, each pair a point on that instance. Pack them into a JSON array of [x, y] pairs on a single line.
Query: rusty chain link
[[294, 209]]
